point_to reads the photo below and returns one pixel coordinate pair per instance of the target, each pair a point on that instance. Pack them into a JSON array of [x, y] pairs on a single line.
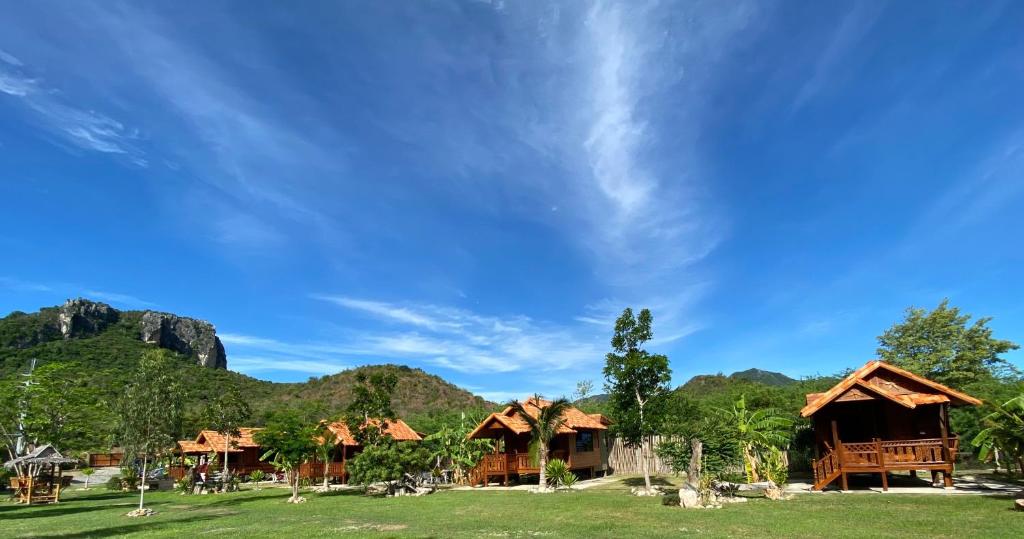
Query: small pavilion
[[40, 478], [883, 418]]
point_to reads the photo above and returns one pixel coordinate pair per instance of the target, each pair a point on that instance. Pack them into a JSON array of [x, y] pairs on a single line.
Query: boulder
[[188, 336], [1018, 504], [689, 498], [82, 318]]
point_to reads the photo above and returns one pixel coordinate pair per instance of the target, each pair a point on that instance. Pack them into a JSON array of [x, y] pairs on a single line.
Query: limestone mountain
[[102, 345], [81, 319]]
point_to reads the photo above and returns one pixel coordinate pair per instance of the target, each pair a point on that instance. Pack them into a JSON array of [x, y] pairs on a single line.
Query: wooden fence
[[626, 460]]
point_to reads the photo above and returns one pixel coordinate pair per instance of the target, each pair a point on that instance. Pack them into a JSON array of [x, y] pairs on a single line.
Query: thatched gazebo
[[40, 478]]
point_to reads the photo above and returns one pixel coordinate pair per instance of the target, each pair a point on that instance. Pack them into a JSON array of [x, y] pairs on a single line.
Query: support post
[[947, 476], [881, 464], [840, 453]]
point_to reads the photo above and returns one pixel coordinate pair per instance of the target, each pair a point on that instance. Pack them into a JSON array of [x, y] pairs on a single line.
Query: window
[[585, 442]]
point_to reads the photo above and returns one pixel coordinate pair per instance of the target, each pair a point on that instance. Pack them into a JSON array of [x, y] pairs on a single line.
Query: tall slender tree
[[370, 410], [637, 383], [225, 415], [150, 411], [543, 427]]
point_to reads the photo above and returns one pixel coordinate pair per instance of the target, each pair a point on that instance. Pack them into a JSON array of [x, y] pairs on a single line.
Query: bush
[[559, 474], [774, 466], [671, 499], [256, 476], [114, 483], [184, 485], [387, 461]]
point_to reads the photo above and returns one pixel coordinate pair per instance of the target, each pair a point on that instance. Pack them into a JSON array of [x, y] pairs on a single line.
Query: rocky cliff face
[[185, 335], [81, 317]]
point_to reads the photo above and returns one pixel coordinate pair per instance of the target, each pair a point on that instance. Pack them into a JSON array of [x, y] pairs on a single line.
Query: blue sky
[[478, 188]]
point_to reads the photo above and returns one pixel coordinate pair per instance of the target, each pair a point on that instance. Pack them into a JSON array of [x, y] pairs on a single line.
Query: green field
[[605, 512]]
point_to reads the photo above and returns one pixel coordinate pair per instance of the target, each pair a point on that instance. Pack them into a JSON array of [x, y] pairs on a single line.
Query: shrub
[[559, 474], [184, 485], [774, 466], [114, 483], [671, 499], [257, 476]]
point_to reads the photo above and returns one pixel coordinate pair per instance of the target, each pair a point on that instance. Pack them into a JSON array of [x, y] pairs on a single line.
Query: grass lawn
[[606, 512]]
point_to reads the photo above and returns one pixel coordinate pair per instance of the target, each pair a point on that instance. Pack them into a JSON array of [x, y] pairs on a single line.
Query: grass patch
[[597, 512]]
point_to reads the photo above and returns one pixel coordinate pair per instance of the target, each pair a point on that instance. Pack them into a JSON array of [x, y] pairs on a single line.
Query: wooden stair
[[826, 470]]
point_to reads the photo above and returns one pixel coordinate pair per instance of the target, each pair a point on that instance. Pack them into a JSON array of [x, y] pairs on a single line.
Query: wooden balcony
[[506, 464], [882, 456]]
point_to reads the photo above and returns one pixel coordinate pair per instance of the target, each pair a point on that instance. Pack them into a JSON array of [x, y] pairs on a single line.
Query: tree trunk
[[643, 458], [327, 467], [295, 485], [542, 459], [142, 483], [226, 475], [87, 482], [696, 456]]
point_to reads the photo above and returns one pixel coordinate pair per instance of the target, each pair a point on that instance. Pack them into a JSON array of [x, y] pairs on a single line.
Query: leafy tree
[[326, 443], [371, 401], [451, 447], [637, 382], [1004, 431], [757, 432], [289, 440], [543, 427], [387, 461], [87, 472], [149, 410], [940, 345], [583, 389], [225, 415]]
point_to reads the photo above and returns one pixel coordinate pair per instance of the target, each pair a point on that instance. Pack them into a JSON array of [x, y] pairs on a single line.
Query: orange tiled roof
[[860, 379], [396, 429], [238, 443], [573, 419], [190, 446]]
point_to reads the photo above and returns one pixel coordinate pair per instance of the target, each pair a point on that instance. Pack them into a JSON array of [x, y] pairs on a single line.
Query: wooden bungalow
[[580, 442], [243, 452], [882, 418], [348, 447]]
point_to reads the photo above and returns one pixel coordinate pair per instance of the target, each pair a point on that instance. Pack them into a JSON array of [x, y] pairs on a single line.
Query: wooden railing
[[315, 470], [898, 453], [882, 456], [826, 469]]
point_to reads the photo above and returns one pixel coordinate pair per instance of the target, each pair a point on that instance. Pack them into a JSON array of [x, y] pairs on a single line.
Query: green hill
[[103, 345]]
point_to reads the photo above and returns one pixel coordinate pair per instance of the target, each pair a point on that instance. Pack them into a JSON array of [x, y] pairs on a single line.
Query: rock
[[1018, 504], [144, 512], [689, 498], [644, 491], [187, 336], [82, 318]]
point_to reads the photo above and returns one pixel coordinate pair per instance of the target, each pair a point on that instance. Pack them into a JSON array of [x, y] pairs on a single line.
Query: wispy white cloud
[[465, 341], [254, 365], [117, 298], [11, 283], [86, 129], [852, 29]]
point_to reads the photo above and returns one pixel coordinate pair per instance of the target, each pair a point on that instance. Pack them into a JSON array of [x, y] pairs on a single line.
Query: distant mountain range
[[710, 383]]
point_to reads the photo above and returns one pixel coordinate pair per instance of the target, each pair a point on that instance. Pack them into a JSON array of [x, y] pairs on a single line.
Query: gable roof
[[191, 446], [397, 429], [44, 454], [866, 378], [215, 440], [511, 420]]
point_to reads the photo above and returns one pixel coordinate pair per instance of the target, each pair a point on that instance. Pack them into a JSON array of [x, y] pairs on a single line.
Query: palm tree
[[1004, 431], [756, 430], [543, 426]]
